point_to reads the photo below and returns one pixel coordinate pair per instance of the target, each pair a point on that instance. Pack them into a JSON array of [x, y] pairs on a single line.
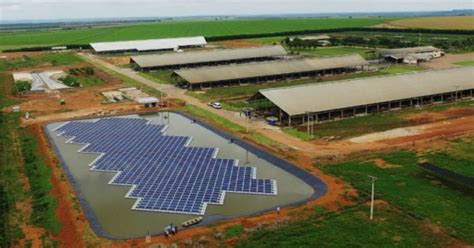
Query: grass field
[[333, 51], [46, 59], [449, 22], [161, 77], [175, 29], [395, 69], [402, 183], [458, 157], [465, 63], [350, 228]]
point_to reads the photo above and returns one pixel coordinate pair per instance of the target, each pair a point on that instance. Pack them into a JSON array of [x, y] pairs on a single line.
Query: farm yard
[[184, 159]]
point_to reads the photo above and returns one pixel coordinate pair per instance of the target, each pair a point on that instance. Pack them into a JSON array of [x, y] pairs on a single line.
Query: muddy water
[[113, 211]]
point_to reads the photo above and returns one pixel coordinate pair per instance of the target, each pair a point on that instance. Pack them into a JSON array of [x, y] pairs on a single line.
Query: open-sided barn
[[206, 58], [267, 71], [148, 45], [348, 98], [410, 55]]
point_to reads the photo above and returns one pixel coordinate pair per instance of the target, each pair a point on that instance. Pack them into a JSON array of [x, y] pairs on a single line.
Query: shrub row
[[44, 204]]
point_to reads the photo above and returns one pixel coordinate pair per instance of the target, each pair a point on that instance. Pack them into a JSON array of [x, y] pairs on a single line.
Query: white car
[[216, 105]]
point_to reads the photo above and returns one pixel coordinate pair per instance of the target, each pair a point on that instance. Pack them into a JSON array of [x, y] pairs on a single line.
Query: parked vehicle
[[216, 105]]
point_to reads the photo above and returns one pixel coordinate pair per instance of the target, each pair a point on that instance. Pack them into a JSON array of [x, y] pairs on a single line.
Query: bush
[[234, 231], [23, 86], [70, 81]]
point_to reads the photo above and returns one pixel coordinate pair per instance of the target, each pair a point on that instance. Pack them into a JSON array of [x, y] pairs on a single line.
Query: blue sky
[[75, 9]]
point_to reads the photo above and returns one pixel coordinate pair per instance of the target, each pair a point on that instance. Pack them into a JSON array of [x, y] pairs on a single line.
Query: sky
[[76, 9]]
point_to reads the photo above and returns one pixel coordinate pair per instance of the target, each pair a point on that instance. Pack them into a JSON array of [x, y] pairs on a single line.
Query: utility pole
[[372, 197]]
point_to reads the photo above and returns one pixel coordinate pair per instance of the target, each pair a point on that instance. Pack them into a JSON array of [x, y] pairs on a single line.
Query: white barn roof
[[321, 97], [148, 45]]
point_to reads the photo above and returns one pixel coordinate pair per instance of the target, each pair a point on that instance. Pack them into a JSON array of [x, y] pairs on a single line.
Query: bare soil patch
[[447, 61]]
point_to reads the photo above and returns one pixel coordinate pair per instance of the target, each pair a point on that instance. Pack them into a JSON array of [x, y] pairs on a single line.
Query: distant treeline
[[466, 44], [286, 33]]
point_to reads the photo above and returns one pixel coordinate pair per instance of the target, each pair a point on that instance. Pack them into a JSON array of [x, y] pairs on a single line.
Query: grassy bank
[[457, 157], [402, 183]]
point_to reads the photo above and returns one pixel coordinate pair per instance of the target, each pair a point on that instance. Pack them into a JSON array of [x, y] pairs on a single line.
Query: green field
[[402, 183], [43, 60], [395, 69], [161, 77], [206, 28], [332, 51], [350, 228], [457, 157]]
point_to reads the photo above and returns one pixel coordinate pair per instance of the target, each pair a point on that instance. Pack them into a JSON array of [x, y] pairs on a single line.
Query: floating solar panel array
[[165, 173]]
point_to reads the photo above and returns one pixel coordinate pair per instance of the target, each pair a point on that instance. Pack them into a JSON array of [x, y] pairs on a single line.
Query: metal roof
[[148, 45], [158, 60], [320, 97], [399, 52], [261, 69]]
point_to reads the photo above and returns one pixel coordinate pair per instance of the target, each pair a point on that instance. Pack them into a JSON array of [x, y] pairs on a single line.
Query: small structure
[[321, 39], [42, 81], [16, 109], [410, 55], [148, 45], [113, 96], [148, 101]]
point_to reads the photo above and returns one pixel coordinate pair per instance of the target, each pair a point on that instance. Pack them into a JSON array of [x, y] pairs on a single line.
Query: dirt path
[[448, 61]]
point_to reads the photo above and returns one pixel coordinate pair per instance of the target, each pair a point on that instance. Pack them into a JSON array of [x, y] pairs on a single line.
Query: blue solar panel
[[166, 174]]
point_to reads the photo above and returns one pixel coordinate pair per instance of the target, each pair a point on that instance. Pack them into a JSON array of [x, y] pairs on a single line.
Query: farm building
[[267, 71], [348, 98], [148, 45], [206, 58], [410, 55], [322, 39]]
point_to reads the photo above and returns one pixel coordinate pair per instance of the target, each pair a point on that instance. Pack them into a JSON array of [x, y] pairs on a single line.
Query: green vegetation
[[395, 69], [131, 82], [46, 59], [11, 190], [161, 77], [297, 133], [234, 231], [207, 28], [206, 115], [44, 204], [350, 228], [402, 183], [457, 157], [332, 51], [22, 86], [81, 77], [7, 87], [465, 63]]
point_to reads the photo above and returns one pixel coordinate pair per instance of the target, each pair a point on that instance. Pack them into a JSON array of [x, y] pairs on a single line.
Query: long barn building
[[175, 61], [148, 45], [349, 98], [197, 78]]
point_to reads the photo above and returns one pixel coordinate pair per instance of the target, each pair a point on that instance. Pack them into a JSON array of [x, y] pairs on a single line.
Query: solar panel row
[[166, 174]]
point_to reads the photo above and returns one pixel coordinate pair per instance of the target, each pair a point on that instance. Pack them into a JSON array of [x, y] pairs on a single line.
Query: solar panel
[[165, 173]]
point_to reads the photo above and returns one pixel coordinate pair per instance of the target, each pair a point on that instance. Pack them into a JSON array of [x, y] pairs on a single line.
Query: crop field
[[451, 22], [11, 40], [43, 60], [402, 183]]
